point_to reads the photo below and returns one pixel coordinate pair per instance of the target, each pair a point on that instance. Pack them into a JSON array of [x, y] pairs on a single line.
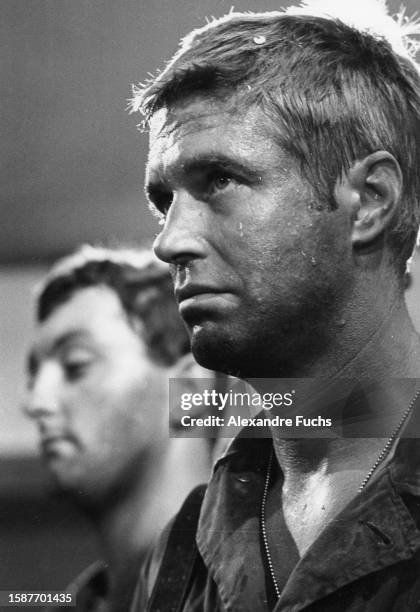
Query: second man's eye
[[75, 369], [76, 363]]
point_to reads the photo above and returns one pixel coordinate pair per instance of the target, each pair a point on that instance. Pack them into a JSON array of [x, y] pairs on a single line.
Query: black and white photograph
[[210, 306]]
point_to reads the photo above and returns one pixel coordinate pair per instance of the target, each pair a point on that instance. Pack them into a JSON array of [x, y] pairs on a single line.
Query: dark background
[[72, 160]]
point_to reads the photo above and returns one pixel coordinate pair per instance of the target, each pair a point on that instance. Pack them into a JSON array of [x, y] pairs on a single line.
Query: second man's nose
[[42, 394]]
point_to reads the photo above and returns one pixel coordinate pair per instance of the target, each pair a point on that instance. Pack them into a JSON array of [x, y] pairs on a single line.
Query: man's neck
[[127, 527], [368, 343], [389, 353]]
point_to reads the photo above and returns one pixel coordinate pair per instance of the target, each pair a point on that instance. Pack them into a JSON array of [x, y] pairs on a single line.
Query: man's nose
[[42, 394], [182, 238]]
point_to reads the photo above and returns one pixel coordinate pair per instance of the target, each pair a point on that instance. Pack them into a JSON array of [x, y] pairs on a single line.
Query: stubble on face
[[287, 262]]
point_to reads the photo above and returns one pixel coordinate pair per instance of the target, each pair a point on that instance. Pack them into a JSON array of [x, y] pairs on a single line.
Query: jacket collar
[[374, 531]]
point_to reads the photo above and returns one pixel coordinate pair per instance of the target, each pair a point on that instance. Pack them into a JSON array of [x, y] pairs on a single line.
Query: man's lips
[[198, 301], [193, 290], [51, 441]]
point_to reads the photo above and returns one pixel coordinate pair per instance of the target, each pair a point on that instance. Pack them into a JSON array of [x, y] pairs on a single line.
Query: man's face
[[260, 271], [95, 395]]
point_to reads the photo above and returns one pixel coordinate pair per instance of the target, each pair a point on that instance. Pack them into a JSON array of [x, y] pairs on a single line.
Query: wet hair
[[142, 283], [334, 87]]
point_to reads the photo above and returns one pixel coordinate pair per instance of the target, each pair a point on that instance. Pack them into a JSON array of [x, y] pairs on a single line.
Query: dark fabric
[[90, 589], [180, 557], [366, 560]]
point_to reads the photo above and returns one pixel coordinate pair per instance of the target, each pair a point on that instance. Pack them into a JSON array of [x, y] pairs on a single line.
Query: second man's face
[[95, 395], [256, 265]]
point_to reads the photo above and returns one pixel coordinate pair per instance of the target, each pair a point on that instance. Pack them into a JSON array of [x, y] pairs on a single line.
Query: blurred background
[[72, 166]]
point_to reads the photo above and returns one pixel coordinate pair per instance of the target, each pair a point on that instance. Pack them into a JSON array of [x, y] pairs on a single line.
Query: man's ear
[[188, 378], [371, 189]]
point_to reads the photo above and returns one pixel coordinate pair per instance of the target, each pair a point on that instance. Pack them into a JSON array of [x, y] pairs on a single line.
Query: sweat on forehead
[[333, 90], [195, 113]]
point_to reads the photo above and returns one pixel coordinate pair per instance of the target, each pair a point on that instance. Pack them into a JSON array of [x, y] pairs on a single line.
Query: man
[[284, 155], [108, 337]]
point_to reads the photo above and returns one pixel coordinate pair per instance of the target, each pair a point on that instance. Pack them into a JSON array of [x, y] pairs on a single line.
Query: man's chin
[[213, 349], [65, 476], [230, 351], [89, 487], [76, 491], [64, 482]]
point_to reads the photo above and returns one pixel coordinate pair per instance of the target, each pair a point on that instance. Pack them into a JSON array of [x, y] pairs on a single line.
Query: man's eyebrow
[[202, 161], [71, 336], [36, 354], [220, 160]]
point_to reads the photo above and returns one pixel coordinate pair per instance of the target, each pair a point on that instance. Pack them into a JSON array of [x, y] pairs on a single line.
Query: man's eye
[[31, 370], [30, 380], [160, 202], [221, 181], [76, 369], [164, 203]]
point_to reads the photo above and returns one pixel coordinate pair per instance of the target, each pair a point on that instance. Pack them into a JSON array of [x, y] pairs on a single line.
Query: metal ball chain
[[385, 451], [382, 455], [263, 528]]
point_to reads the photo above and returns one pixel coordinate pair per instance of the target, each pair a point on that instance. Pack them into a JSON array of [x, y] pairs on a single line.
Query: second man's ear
[[371, 189]]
